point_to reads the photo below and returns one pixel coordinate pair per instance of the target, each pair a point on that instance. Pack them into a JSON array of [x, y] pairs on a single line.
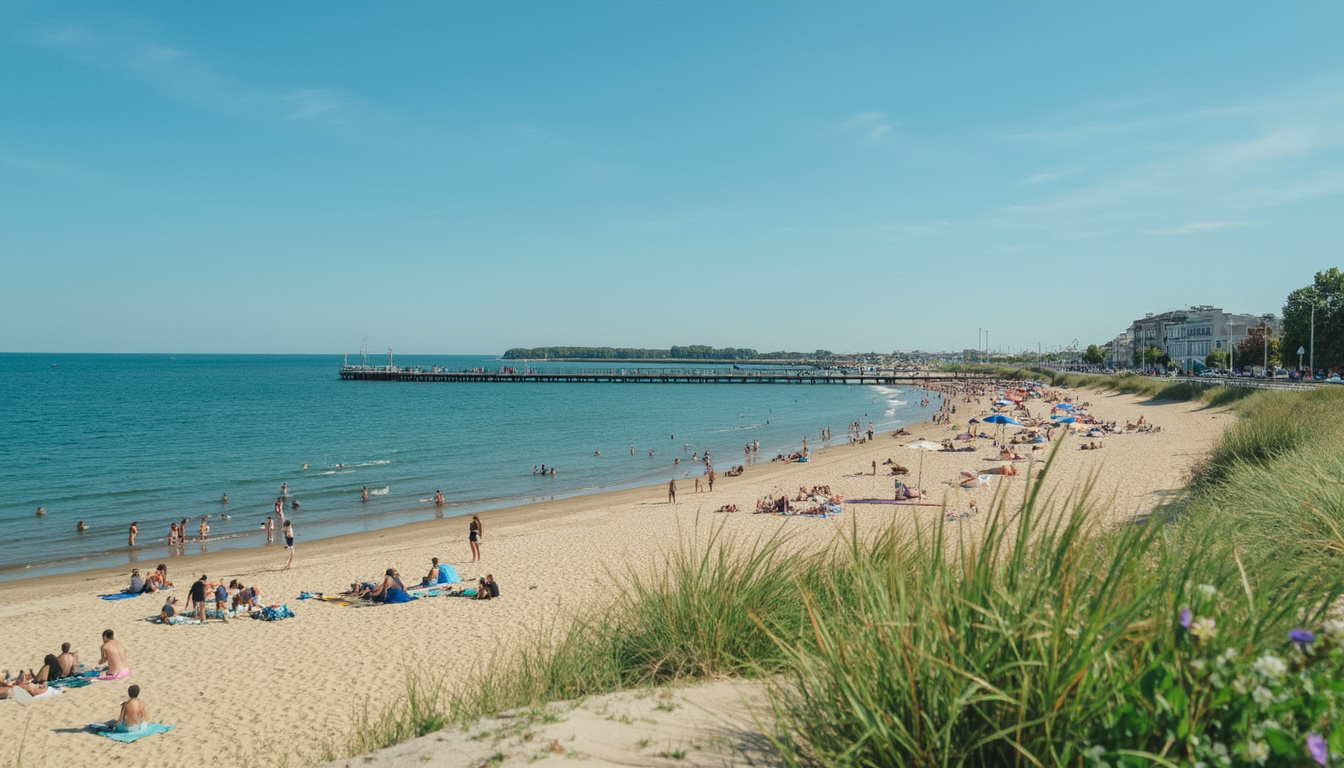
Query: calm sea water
[[111, 439]]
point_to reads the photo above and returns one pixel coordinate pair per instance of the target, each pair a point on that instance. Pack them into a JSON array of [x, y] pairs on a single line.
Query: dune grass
[[1042, 640]]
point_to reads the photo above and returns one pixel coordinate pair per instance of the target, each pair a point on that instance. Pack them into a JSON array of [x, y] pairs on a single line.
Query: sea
[[114, 439]]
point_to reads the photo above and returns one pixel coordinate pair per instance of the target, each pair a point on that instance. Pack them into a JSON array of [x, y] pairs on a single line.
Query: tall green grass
[[1043, 639]]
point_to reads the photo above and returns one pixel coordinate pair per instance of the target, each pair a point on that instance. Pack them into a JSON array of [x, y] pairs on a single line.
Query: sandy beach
[[251, 692]]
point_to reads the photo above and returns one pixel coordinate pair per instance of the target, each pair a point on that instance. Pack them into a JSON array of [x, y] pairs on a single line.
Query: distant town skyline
[[459, 179]]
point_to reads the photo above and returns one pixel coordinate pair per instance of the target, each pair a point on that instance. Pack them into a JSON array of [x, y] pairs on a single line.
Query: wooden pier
[[659, 376]]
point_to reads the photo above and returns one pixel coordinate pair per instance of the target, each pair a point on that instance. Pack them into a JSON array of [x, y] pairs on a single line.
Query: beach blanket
[[25, 698], [103, 729], [72, 682], [121, 595], [395, 595], [273, 613]]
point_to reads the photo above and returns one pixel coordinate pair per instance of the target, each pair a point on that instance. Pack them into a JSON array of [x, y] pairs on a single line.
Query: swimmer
[[41, 512], [438, 498], [81, 527], [364, 491], [597, 453], [294, 504], [224, 499]]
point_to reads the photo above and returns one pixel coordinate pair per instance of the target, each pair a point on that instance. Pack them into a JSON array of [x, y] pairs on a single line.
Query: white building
[[1189, 335]]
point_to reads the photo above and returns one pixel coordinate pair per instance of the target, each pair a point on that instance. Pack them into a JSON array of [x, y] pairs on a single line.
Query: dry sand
[[253, 693]]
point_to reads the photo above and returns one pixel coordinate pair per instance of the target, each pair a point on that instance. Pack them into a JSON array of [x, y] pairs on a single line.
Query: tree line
[[690, 352]]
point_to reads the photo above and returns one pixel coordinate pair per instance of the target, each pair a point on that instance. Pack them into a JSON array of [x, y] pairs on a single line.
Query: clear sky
[[453, 177]]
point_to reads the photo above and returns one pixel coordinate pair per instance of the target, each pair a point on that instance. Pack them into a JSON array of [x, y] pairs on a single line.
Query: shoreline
[[554, 561], [249, 556]]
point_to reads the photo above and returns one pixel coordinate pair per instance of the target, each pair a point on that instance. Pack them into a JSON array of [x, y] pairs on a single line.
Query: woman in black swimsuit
[[474, 536]]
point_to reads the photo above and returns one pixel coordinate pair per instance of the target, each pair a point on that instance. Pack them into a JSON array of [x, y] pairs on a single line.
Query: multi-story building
[[1189, 335]]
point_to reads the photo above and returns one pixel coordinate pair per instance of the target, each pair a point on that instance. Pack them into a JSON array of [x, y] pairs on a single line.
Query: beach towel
[[108, 678], [149, 729], [448, 574], [121, 595], [25, 698], [273, 613], [871, 501], [72, 682], [395, 595]]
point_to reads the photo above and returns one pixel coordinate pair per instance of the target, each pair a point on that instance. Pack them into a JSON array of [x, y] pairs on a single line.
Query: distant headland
[[693, 352]]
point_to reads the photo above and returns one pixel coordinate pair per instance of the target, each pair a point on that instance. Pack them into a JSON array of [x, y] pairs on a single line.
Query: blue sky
[[468, 177]]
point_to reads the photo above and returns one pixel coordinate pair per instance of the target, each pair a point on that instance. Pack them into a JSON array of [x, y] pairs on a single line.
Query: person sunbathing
[[1006, 469], [169, 610], [391, 580], [28, 686], [970, 479], [50, 671], [1008, 455], [159, 577]]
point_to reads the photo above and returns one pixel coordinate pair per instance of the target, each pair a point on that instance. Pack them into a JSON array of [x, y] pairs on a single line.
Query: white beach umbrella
[[923, 445]]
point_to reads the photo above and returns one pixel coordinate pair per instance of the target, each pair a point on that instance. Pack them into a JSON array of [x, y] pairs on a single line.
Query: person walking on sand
[[711, 479], [135, 531], [474, 531], [196, 598], [672, 491], [289, 543]]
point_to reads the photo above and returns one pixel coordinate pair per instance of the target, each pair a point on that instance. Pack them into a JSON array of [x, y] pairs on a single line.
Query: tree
[[1326, 294], [1216, 359], [1153, 357], [1251, 350], [1094, 355]]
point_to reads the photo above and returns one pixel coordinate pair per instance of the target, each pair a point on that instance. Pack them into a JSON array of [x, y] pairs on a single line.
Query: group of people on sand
[[112, 665], [228, 601], [392, 589], [141, 585]]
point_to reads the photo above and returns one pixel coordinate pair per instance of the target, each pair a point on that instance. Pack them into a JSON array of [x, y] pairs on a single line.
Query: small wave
[[373, 463], [379, 491], [339, 472]]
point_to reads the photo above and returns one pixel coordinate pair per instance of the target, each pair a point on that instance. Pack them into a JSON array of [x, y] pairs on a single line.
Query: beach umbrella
[[922, 445], [1002, 421]]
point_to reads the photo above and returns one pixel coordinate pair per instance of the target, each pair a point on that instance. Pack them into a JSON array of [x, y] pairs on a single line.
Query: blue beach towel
[[448, 574], [120, 595], [149, 730], [395, 595]]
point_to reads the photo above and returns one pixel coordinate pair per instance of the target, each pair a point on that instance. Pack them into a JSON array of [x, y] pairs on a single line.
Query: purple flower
[[1186, 617], [1316, 746], [1301, 636]]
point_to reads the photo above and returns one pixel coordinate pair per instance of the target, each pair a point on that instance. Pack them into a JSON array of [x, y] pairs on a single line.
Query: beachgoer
[[224, 499], [222, 600], [33, 689], [289, 543], [196, 598], [294, 505], [168, 611], [246, 597], [205, 529], [69, 660], [482, 589], [113, 654], [391, 580], [138, 584], [41, 512], [491, 586], [552, 471], [159, 577], [672, 491], [172, 535], [134, 715], [438, 498], [49, 672], [269, 525], [81, 527], [284, 491], [474, 532], [364, 492], [135, 531]]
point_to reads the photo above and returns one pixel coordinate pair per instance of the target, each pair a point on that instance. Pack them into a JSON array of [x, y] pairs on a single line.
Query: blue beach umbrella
[[999, 418]]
